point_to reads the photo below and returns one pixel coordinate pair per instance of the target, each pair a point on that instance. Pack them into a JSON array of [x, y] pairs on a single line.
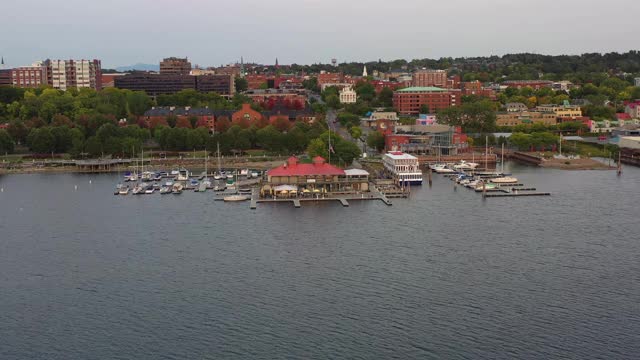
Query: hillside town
[[76, 109]]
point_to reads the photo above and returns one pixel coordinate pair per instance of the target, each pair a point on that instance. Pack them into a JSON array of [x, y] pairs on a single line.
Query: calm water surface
[[88, 275]]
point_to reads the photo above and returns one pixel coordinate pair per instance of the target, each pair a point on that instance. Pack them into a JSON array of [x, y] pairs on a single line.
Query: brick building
[[428, 77], [30, 76], [409, 101], [175, 66]]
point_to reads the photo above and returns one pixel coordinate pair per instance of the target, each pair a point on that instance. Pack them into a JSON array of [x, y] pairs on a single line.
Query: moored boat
[[504, 180], [234, 198], [463, 165], [176, 188]]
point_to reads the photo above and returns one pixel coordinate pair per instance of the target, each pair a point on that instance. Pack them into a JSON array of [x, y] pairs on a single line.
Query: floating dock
[[516, 195]]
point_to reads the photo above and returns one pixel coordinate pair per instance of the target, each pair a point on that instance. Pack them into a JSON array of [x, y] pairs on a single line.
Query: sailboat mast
[[502, 158], [219, 166], [329, 149], [486, 153]]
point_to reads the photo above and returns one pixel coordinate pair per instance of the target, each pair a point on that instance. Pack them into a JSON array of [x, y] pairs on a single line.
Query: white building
[[348, 96], [404, 168], [630, 142], [69, 74], [636, 81]]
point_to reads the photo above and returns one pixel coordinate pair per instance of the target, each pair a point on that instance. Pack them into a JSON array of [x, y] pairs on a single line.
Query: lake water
[[85, 274]]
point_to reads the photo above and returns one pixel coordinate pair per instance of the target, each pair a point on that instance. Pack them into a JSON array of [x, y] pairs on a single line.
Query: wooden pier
[[516, 195]]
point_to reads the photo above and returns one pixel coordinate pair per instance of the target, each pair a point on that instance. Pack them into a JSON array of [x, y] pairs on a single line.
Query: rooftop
[[293, 168], [422, 89], [399, 155]]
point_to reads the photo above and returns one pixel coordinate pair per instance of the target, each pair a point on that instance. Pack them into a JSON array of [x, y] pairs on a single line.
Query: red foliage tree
[[222, 124], [183, 122], [281, 122], [158, 121]]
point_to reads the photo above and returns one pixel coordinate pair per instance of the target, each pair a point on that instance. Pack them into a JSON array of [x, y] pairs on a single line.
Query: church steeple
[[364, 72], [277, 66], [241, 67]]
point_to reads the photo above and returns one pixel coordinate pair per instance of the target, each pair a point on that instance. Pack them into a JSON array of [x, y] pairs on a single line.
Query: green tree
[[424, 109], [41, 140], [241, 84], [138, 102], [333, 101], [385, 97], [6, 142], [356, 132], [375, 140]]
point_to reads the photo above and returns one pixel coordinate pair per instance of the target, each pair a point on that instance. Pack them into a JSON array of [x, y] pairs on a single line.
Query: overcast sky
[[213, 32]]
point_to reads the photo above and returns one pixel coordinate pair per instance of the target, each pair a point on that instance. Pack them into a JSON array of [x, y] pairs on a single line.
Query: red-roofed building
[[623, 116], [633, 109], [310, 178]]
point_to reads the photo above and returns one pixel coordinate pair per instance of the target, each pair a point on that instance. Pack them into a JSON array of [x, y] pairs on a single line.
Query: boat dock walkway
[[373, 194]]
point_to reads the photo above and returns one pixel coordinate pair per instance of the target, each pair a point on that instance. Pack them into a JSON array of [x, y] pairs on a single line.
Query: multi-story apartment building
[[175, 66], [428, 77], [30, 76], [75, 74], [409, 101]]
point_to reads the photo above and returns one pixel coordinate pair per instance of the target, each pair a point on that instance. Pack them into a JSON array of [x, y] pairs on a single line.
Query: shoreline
[[155, 164]]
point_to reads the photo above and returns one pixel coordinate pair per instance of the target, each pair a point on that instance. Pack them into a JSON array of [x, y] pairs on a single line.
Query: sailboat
[[503, 179], [138, 189], [206, 183], [218, 174]]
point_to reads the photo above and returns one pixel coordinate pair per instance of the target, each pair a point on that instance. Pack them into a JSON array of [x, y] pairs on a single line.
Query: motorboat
[[147, 176], [174, 173], [441, 169], [176, 188], [254, 174], [504, 180], [244, 172], [183, 175], [165, 190], [149, 190], [487, 185], [234, 198], [463, 165], [137, 190], [123, 190]]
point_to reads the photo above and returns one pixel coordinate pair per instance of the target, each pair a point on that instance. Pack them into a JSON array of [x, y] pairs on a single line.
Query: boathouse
[[318, 177]]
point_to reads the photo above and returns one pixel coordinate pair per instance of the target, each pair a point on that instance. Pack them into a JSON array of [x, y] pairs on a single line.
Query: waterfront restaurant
[[294, 178]]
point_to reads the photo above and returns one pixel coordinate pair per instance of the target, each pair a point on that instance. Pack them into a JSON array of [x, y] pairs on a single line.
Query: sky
[[213, 32]]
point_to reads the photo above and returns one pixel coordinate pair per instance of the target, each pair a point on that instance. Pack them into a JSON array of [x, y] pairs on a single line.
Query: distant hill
[[142, 67]]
